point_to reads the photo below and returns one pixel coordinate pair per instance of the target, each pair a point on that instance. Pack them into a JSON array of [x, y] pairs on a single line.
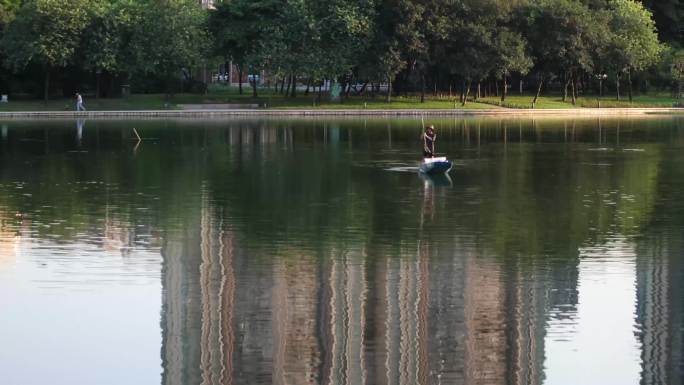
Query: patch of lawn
[[268, 98], [134, 102], [525, 101], [639, 101]]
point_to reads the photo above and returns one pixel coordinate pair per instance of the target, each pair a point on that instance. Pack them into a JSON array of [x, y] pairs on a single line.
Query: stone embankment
[[217, 113]]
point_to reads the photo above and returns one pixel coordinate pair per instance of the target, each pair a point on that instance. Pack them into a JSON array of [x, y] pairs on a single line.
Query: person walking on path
[[79, 102]]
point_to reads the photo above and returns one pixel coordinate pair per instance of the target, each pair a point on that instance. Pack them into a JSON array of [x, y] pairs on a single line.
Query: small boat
[[434, 166]]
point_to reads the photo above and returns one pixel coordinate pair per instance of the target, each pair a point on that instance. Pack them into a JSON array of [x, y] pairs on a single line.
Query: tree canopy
[[401, 46]]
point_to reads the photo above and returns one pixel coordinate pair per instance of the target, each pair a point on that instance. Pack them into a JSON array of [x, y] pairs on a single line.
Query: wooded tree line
[[471, 47], [127, 41]]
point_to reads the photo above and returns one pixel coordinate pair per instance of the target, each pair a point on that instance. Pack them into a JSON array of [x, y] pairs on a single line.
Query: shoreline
[[207, 113]]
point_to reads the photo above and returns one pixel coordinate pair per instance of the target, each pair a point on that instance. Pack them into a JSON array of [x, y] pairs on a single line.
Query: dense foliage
[[475, 47]]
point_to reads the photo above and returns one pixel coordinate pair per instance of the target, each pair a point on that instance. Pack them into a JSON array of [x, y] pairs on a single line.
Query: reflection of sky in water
[[597, 345], [77, 315]]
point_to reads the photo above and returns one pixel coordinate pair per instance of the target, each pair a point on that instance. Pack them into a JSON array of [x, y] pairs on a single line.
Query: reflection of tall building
[[198, 301], [253, 318], [447, 323], [660, 309], [343, 306], [217, 281], [425, 315], [404, 318], [525, 305], [295, 348], [485, 358], [181, 310], [117, 236]]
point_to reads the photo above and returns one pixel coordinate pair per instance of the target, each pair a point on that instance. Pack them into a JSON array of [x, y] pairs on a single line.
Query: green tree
[[46, 32], [634, 44], [565, 35], [243, 31], [167, 37], [397, 39], [101, 40], [511, 56], [292, 46], [676, 64], [345, 30], [8, 9]]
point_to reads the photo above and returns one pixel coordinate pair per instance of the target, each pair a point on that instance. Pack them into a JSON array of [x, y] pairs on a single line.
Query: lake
[[311, 251]]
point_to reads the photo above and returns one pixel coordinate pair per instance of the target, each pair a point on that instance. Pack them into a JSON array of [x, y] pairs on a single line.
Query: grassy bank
[[270, 99], [639, 101]]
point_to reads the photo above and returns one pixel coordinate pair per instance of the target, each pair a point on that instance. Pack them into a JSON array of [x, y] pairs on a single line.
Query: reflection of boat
[[435, 165], [437, 180]]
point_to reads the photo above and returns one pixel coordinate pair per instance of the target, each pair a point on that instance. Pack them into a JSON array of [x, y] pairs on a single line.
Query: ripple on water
[[411, 169]]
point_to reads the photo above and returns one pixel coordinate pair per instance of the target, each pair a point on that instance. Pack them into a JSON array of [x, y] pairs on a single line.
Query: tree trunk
[[46, 90], [228, 71], [521, 87], [496, 88], [467, 92], [254, 87], [479, 95], [363, 89], [308, 85], [565, 88], [389, 89], [629, 84], [110, 88], [422, 86], [539, 88], [97, 85], [617, 85], [204, 78], [294, 86], [573, 81], [289, 83], [240, 80], [505, 88]]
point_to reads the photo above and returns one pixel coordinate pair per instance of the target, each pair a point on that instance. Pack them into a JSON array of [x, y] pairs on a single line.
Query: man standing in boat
[[429, 137]]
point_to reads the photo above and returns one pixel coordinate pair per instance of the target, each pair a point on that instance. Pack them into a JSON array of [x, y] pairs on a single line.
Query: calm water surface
[[312, 252]]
